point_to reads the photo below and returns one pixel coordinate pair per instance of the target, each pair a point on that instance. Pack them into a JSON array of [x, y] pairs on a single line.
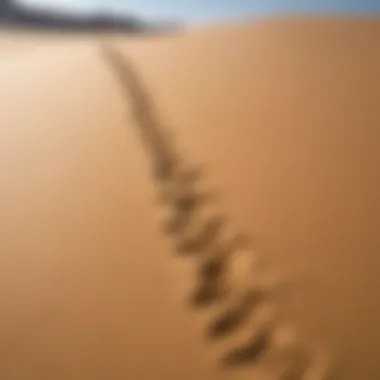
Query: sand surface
[[131, 167]]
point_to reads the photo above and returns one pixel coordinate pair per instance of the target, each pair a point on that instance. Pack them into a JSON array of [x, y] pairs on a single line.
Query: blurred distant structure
[[13, 15]]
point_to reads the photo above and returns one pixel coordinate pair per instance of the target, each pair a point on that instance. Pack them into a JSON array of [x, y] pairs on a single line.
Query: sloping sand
[[131, 168]]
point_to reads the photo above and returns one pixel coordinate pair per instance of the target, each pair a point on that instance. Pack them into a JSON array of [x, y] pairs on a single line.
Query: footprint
[[227, 269], [228, 321], [204, 237], [250, 352]]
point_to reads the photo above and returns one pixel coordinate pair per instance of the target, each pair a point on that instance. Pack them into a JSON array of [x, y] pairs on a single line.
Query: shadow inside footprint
[[164, 169], [208, 293], [249, 353], [191, 176], [229, 321], [208, 234], [184, 204], [183, 180]]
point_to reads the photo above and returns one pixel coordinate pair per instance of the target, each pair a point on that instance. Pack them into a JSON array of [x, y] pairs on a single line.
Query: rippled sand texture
[[195, 206]]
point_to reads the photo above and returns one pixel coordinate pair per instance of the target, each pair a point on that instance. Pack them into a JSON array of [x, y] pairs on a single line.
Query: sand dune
[[198, 206]]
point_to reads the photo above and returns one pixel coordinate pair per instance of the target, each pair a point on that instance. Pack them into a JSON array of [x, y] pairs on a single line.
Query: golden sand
[[195, 206]]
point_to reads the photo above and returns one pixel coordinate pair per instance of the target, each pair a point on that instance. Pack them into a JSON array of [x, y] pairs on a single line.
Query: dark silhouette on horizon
[[13, 15]]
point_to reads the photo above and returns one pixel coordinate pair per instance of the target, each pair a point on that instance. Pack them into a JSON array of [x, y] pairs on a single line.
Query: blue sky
[[212, 10]]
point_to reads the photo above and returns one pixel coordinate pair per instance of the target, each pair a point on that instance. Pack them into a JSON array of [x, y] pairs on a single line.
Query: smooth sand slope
[[199, 206]]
